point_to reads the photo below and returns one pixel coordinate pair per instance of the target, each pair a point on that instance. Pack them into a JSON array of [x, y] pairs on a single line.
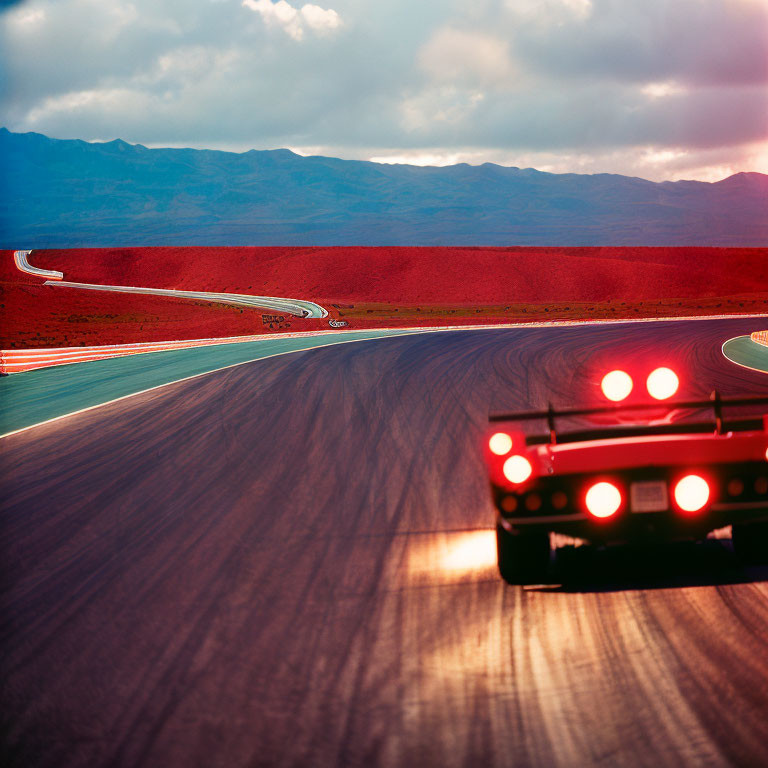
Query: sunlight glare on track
[[453, 556]]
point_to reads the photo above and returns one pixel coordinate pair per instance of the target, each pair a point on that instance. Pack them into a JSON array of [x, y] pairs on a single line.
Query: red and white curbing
[[760, 337], [20, 360]]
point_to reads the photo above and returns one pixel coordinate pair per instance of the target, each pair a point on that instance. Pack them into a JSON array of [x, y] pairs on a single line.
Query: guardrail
[[760, 337]]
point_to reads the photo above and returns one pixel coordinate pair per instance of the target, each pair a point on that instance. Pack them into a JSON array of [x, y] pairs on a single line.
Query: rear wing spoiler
[[715, 402]]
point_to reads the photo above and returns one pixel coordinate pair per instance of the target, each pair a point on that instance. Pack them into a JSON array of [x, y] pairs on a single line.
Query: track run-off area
[[38, 396], [291, 562], [742, 350]]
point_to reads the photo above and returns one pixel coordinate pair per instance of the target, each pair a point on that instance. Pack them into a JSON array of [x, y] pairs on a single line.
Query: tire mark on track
[[250, 568]]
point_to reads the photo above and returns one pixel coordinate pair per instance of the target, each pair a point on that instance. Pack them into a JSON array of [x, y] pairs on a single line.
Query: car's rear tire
[[750, 542], [524, 557]]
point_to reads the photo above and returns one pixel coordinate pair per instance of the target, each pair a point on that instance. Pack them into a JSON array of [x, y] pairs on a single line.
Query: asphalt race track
[[291, 563]]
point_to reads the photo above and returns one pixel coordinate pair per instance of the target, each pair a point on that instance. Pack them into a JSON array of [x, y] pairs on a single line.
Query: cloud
[[293, 21], [547, 12], [320, 19], [27, 18], [438, 159], [660, 88], [648, 162], [696, 42], [459, 56], [117, 100], [446, 106]]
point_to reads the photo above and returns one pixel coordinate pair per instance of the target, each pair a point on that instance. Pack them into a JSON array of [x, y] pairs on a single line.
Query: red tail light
[[662, 383], [517, 469], [500, 444], [616, 385], [603, 500], [692, 493]]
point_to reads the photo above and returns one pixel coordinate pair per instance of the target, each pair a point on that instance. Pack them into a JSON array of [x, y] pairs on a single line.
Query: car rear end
[[627, 482]]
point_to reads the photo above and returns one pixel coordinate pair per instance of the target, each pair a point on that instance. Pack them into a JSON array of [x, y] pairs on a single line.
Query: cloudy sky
[[664, 89]]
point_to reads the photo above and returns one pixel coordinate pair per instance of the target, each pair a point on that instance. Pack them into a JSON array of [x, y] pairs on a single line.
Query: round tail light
[[616, 385], [662, 383], [500, 443], [603, 500], [691, 493], [517, 469]]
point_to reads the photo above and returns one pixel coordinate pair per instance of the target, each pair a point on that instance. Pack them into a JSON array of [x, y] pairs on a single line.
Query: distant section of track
[[295, 307], [291, 563], [23, 265]]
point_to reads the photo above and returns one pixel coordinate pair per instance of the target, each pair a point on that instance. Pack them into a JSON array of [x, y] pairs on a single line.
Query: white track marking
[[395, 333]]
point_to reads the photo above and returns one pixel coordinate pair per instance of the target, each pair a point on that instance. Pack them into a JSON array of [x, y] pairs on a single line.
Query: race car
[[639, 472]]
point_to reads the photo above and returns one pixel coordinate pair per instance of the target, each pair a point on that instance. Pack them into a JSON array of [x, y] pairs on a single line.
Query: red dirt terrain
[[370, 287]]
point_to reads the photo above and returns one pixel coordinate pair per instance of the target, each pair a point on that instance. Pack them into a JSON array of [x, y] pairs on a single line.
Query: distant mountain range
[[59, 193]]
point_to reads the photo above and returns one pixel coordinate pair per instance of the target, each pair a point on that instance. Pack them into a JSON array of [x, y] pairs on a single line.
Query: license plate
[[649, 497]]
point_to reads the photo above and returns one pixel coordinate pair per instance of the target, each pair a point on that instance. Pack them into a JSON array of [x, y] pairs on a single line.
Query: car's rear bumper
[[627, 525], [737, 491]]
